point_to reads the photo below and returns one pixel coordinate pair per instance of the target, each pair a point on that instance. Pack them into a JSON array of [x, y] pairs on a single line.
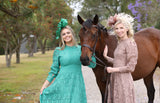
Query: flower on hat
[[63, 23], [126, 18]]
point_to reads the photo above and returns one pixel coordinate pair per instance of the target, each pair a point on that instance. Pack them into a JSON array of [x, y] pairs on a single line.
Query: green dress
[[68, 86]]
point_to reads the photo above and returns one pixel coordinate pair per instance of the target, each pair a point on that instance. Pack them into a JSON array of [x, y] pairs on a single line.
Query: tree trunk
[[30, 49], [8, 61], [43, 50], [8, 55], [32, 46], [30, 54], [43, 46], [18, 55]]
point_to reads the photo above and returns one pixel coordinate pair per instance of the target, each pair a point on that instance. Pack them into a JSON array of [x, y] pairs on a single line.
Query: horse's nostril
[[84, 60]]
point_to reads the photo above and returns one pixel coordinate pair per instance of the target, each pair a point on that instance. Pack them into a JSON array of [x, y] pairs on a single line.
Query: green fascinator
[[63, 23]]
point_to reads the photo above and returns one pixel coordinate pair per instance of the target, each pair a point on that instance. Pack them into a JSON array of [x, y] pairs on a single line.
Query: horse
[[93, 38]]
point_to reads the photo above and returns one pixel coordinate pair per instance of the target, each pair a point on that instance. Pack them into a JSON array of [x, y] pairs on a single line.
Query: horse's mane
[[102, 27]]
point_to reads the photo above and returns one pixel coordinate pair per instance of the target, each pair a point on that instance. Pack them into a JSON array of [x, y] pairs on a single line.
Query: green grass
[[25, 78]]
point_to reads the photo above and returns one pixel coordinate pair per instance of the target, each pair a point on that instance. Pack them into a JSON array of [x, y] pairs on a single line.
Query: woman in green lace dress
[[68, 85]]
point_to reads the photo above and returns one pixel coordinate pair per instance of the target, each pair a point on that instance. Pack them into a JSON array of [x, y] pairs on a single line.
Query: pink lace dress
[[121, 88]]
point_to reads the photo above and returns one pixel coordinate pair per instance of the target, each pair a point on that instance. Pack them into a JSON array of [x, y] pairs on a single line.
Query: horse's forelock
[[88, 23]]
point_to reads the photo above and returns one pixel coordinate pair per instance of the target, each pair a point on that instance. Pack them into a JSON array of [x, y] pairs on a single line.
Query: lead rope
[[107, 80]]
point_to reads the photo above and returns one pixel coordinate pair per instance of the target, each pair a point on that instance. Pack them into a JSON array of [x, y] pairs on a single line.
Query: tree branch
[[9, 12]]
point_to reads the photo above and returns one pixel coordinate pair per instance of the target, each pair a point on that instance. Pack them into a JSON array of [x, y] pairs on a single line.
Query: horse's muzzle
[[85, 60]]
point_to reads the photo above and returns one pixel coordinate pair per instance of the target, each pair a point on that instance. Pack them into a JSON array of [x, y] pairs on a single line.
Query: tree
[[47, 20], [16, 8], [103, 8], [146, 13], [11, 39], [13, 13], [39, 18]]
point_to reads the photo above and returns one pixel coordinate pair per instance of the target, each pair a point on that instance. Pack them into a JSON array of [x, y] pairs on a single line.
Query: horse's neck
[[110, 41]]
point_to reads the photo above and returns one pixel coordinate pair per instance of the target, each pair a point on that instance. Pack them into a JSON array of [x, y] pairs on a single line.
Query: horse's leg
[[102, 97], [99, 73], [150, 87]]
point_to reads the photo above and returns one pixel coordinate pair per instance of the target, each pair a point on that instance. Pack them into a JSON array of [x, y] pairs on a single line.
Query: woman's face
[[66, 35], [121, 31]]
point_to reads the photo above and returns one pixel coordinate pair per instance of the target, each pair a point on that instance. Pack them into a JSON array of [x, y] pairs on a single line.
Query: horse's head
[[88, 37]]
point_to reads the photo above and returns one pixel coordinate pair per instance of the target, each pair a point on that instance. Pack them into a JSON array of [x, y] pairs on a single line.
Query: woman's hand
[[112, 70], [45, 85], [109, 69], [42, 89], [105, 51]]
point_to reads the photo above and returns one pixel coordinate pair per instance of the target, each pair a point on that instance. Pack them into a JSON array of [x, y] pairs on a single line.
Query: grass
[[24, 79]]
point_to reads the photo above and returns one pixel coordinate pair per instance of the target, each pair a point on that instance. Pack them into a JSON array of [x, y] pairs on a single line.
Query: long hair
[[62, 42]]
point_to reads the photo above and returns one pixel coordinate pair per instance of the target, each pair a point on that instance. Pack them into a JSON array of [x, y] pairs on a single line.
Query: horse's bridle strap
[[93, 50], [85, 45]]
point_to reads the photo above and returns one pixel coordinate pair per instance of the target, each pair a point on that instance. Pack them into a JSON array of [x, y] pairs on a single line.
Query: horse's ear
[[80, 20], [95, 19]]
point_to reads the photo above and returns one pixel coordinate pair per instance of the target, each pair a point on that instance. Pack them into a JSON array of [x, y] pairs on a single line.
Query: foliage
[[14, 12], [76, 27], [40, 18], [1, 51], [103, 8], [146, 13], [158, 24], [18, 8], [47, 18]]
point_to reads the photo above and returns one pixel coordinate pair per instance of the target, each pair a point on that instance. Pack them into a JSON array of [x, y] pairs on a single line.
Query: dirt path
[[94, 96], [141, 92], [92, 90]]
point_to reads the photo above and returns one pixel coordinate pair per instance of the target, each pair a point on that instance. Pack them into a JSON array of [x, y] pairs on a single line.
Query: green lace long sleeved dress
[[68, 86]]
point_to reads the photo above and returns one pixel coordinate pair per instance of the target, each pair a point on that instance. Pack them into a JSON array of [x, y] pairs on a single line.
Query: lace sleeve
[[55, 66], [110, 60], [132, 56]]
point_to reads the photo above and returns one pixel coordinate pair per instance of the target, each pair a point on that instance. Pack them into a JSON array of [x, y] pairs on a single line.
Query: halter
[[93, 49], [103, 64]]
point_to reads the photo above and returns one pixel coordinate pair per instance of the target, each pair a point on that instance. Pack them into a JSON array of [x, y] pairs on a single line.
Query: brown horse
[[94, 37]]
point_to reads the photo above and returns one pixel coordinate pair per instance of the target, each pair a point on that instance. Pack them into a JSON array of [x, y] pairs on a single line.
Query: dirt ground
[[94, 96]]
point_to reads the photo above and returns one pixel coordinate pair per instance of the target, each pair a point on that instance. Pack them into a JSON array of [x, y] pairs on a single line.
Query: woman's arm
[[109, 59], [55, 66], [53, 72]]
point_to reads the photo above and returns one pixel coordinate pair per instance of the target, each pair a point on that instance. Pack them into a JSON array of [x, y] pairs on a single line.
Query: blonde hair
[[126, 19], [62, 43]]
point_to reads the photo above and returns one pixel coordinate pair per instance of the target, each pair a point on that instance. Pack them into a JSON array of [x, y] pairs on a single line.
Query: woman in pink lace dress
[[121, 88]]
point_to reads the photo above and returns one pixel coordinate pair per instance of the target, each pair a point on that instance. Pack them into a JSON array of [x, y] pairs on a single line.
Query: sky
[[76, 7]]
